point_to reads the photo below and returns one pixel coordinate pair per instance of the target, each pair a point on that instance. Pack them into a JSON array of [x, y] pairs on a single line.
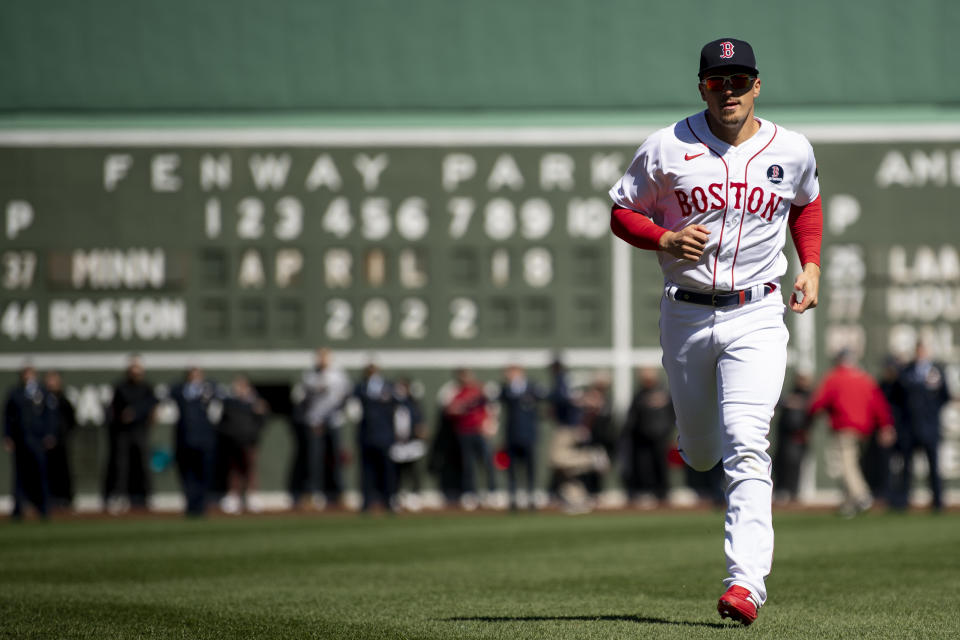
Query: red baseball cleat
[[738, 604]]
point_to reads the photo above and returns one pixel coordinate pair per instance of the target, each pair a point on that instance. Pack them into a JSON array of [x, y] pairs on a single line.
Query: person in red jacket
[[857, 408], [468, 413]]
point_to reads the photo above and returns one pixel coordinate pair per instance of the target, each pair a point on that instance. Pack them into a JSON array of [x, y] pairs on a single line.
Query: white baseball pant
[[726, 368]]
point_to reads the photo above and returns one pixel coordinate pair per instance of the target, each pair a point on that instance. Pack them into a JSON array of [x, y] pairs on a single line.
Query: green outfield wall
[[289, 55], [242, 249], [232, 184]]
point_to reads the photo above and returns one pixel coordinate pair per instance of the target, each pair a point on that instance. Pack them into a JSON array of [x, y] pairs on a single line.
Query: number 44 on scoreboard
[[19, 320]]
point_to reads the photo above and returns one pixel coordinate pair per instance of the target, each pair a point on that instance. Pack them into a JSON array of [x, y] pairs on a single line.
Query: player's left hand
[[808, 285]]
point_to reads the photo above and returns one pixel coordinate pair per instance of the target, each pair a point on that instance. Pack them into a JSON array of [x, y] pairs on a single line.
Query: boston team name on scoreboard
[[345, 245]]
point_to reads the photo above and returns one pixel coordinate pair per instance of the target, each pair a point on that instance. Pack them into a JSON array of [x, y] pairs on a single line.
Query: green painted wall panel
[[220, 55]]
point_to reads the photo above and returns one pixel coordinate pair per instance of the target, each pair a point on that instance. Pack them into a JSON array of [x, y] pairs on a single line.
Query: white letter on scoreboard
[[115, 167], [370, 169], [412, 272], [556, 171], [269, 171], [605, 169], [337, 268], [323, 173], [289, 265], [19, 217], [215, 172], [251, 270], [505, 173], [456, 168], [60, 320], [163, 176]]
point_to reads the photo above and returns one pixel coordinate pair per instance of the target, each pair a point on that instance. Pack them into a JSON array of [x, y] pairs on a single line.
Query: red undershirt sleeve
[[806, 228], [636, 228]]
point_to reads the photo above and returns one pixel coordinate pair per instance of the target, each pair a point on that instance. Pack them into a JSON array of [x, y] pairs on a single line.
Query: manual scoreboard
[[143, 247]]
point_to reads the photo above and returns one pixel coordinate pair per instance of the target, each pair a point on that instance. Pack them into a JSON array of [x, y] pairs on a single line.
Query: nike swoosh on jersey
[[687, 156]]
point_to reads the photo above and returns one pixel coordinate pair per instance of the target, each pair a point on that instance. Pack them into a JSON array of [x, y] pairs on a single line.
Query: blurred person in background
[[195, 438], [29, 434], [709, 486], [793, 437], [600, 427], [520, 399], [409, 445], [375, 436], [567, 418], [857, 408], [298, 471], [877, 459], [444, 459], [646, 438], [573, 456], [919, 394], [241, 422], [564, 406], [469, 416], [129, 417], [58, 458], [326, 386]]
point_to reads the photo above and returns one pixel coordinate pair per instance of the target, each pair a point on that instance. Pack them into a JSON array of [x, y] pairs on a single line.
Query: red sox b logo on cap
[[726, 50]]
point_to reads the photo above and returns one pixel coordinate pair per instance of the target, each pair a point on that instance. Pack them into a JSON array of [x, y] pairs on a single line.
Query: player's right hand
[[686, 244]]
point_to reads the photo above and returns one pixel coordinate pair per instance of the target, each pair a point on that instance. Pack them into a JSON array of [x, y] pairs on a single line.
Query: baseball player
[[713, 195]]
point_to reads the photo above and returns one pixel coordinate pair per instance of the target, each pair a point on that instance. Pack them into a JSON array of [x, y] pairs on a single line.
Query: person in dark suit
[[240, 426], [520, 399], [444, 458], [128, 422], [409, 445], [919, 395], [649, 424], [374, 438], [195, 438], [28, 434], [793, 435], [298, 470], [566, 411], [58, 457], [877, 459]]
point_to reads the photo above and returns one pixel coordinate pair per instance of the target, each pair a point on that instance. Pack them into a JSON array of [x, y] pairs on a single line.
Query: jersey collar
[[759, 139]]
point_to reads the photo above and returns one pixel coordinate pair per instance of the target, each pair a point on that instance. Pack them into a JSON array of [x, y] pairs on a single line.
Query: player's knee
[[748, 464], [700, 461]]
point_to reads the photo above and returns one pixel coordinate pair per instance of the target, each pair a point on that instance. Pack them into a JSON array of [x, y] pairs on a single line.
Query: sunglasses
[[738, 82]]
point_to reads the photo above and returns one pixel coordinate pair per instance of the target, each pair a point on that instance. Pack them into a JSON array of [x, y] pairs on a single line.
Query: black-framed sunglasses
[[738, 82]]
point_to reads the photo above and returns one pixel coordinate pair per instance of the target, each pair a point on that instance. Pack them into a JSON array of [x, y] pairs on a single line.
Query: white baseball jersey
[[684, 175]]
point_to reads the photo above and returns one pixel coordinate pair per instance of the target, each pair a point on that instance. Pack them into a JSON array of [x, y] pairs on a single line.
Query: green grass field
[[487, 575]]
